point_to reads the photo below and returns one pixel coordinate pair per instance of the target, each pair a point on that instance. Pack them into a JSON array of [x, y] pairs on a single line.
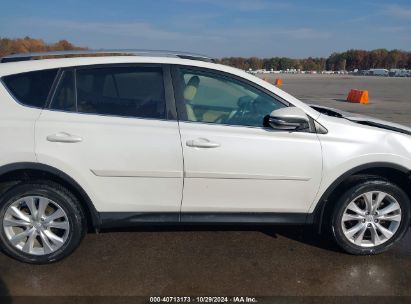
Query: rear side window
[[32, 88], [64, 98], [121, 91]]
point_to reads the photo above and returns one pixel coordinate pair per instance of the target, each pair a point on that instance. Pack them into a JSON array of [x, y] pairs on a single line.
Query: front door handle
[[202, 143], [64, 137]]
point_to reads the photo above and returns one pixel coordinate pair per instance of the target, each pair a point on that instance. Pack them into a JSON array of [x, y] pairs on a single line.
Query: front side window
[[31, 88], [121, 91], [213, 98]]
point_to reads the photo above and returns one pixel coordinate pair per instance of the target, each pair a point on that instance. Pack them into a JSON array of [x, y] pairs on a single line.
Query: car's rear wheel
[[371, 217], [41, 222]]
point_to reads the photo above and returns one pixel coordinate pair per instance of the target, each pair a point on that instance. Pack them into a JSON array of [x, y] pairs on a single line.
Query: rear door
[[113, 129]]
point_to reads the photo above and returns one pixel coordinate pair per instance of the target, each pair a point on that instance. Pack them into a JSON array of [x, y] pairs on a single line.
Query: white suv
[[164, 138]]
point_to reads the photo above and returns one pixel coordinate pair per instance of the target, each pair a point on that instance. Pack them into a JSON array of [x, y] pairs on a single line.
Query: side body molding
[[130, 219]]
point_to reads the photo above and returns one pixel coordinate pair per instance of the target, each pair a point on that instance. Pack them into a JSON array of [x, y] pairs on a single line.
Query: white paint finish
[[252, 169], [16, 130], [245, 195], [137, 194], [348, 145], [121, 147]]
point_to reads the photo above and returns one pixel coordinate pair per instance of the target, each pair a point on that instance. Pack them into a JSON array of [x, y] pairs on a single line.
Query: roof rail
[[127, 52]]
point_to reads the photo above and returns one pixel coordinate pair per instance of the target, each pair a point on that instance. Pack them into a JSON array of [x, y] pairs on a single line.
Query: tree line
[[28, 45], [349, 60]]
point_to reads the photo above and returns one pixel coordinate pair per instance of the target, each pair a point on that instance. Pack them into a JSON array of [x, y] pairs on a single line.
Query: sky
[[218, 28]]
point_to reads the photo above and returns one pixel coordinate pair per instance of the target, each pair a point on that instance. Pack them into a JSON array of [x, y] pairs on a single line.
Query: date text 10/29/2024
[[203, 299]]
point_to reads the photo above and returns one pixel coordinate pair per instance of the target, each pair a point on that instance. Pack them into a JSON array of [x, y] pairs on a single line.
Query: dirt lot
[[233, 261]]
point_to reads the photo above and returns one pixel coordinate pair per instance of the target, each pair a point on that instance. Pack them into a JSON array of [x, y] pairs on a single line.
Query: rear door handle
[[64, 137], [202, 143]]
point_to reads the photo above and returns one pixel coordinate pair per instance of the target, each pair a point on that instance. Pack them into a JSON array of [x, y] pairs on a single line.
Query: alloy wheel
[[371, 219], [36, 225]]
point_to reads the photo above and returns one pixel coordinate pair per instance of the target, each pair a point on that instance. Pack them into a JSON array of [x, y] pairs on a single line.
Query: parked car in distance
[[378, 72], [399, 73], [94, 142]]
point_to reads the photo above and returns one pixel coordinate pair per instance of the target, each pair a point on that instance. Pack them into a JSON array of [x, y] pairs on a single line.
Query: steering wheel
[[245, 108]]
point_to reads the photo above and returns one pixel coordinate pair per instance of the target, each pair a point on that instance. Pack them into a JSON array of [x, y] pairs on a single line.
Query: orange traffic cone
[[278, 82]]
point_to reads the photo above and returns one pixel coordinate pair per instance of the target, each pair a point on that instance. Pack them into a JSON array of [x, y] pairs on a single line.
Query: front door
[[233, 163]]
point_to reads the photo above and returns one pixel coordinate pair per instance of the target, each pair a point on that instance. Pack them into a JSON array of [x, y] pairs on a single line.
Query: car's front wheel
[[371, 217], [40, 222]]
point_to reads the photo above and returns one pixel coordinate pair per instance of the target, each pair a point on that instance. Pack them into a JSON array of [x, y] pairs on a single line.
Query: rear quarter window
[[31, 88]]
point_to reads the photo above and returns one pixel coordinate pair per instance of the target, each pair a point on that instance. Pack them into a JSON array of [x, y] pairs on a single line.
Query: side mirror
[[289, 119]]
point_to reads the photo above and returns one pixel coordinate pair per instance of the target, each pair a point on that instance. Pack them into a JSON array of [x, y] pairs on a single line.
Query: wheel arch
[[394, 173], [28, 170]]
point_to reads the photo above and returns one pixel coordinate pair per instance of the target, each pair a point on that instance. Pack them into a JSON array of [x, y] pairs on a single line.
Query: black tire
[[66, 200], [360, 188]]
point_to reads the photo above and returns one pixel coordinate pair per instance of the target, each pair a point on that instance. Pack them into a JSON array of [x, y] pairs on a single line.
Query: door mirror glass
[[289, 119]]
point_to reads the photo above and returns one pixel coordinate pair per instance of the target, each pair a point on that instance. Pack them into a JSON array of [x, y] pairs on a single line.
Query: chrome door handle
[[202, 143], [64, 137]]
